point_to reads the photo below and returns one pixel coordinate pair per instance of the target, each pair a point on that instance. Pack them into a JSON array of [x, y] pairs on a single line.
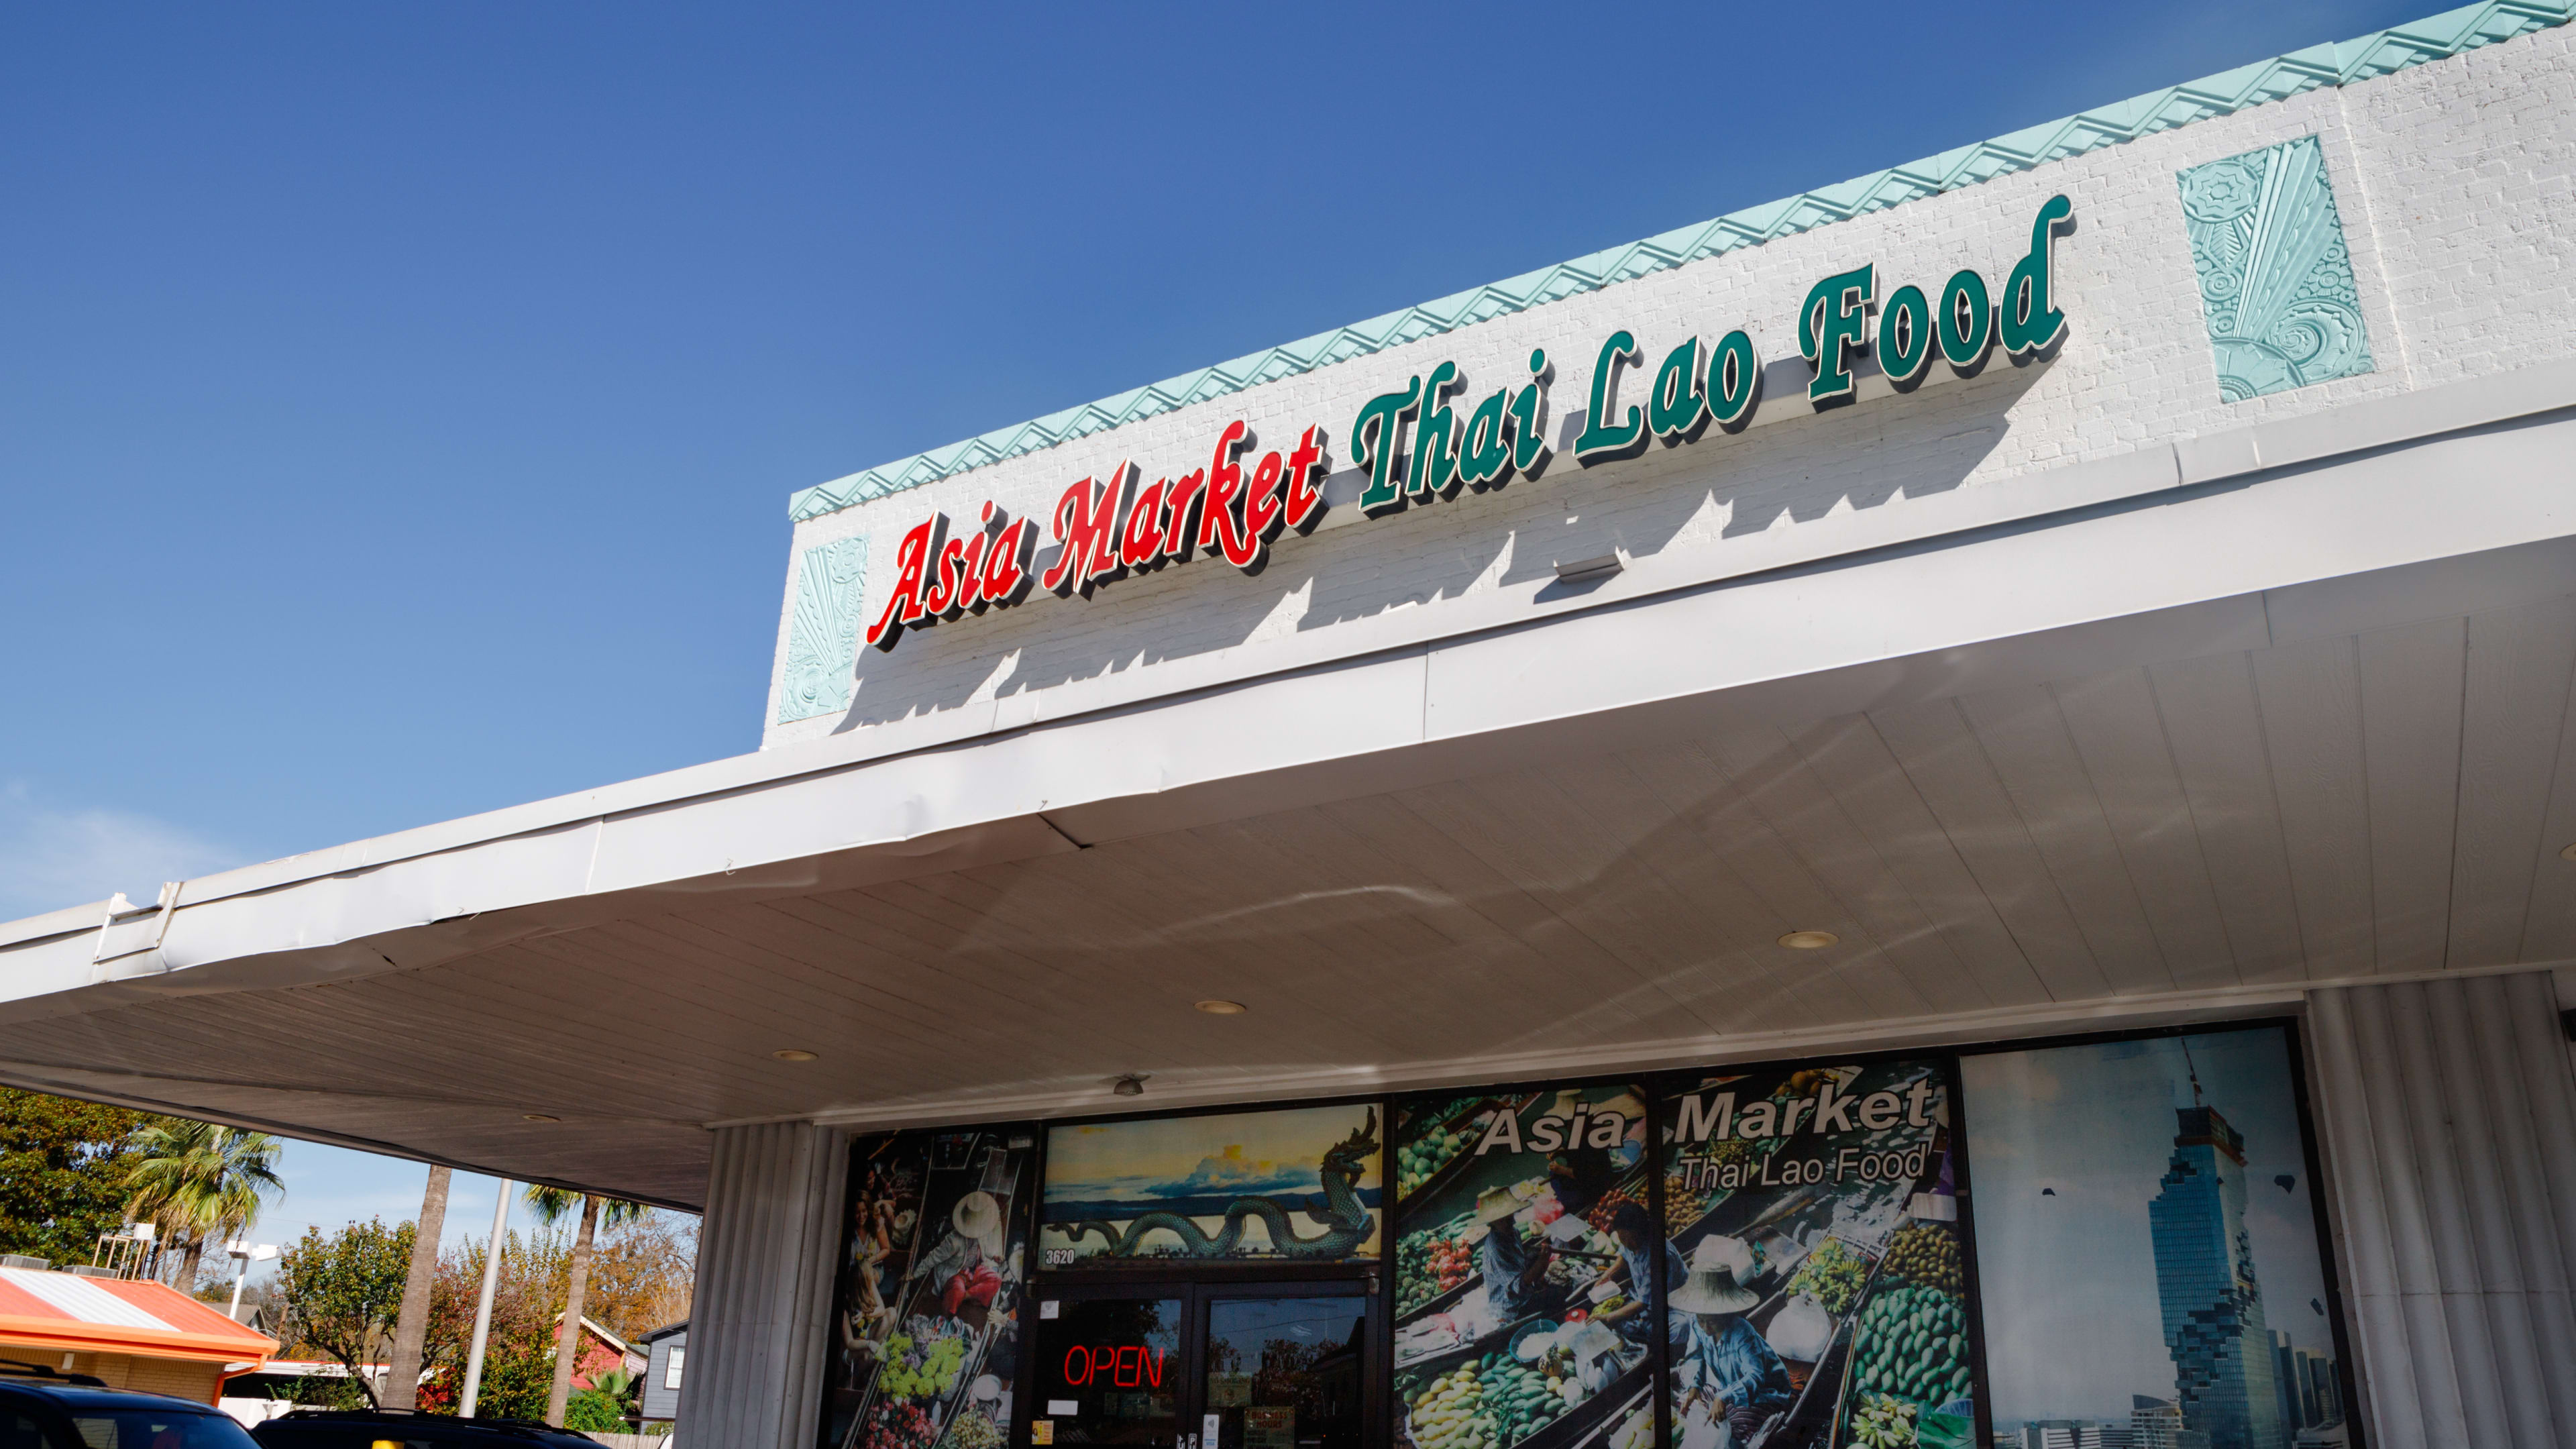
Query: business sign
[[1426, 442]]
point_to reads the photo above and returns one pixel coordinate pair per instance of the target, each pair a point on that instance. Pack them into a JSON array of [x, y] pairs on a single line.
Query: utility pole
[[483, 1310]]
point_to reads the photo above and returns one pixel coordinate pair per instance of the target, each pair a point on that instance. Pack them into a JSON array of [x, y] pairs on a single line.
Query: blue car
[[41, 1409]]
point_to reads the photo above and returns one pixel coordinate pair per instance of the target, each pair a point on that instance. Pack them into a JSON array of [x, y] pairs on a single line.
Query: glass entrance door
[[1110, 1369], [1284, 1372], [1201, 1366]]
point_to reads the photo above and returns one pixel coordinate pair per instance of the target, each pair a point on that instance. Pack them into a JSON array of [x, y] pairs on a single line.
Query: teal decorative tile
[[823, 639], [2379, 53], [2275, 277]]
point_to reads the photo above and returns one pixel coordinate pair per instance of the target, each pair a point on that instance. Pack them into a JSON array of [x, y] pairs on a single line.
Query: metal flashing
[[2365, 57]]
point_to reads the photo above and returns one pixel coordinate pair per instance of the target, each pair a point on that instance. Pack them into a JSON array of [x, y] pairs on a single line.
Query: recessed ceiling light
[[1223, 1008], [539, 1117], [1809, 940], [793, 1054]]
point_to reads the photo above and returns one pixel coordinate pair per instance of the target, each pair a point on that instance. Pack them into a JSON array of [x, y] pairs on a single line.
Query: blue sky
[[330, 1186], [398, 406]]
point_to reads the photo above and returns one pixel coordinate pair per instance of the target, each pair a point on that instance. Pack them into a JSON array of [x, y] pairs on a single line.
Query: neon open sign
[[1128, 1367]]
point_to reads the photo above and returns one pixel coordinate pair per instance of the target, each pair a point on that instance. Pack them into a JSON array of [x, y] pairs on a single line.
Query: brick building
[[129, 1334]]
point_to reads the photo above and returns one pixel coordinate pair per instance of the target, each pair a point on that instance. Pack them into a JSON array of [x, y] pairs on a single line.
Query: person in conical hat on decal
[[1515, 1268], [962, 1269], [979, 1217], [1727, 1365], [1641, 1249]]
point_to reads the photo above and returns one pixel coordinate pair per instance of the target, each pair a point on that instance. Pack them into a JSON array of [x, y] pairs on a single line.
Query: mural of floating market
[[1816, 1271], [1513, 1324], [925, 1321], [1296, 1186]]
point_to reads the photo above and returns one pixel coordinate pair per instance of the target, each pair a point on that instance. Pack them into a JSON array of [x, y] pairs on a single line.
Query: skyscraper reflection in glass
[[2205, 1281]]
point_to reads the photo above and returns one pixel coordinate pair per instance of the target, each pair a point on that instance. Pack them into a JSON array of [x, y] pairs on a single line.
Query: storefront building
[[1943, 812], [126, 1333]]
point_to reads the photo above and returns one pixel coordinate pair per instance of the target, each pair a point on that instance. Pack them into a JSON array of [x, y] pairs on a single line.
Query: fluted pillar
[[2449, 1112], [764, 1282]]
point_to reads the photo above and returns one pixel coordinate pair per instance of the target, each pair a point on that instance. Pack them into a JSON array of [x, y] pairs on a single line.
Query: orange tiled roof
[[67, 1313]]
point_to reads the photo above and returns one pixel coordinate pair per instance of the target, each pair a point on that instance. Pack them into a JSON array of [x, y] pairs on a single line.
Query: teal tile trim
[[823, 638], [2275, 277], [2381, 53]]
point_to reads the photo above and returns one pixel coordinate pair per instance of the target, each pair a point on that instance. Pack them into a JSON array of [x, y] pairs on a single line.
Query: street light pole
[[244, 1255], [483, 1310]]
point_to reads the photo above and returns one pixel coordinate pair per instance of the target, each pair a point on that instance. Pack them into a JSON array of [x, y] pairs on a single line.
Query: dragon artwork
[[1340, 1208]]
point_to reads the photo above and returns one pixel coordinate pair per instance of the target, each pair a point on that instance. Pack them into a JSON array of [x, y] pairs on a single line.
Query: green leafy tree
[[342, 1293], [552, 1205], [519, 1359], [515, 1376], [62, 1173], [201, 1183]]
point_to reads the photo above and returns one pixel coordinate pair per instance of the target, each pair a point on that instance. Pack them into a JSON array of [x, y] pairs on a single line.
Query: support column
[[764, 1283], [2450, 1123]]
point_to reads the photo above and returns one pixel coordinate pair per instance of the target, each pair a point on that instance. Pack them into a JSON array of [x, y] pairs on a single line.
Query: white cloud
[[52, 857]]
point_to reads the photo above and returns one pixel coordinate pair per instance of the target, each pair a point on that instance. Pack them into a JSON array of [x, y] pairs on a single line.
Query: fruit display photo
[[1821, 1296], [1514, 1325], [926, 1317]]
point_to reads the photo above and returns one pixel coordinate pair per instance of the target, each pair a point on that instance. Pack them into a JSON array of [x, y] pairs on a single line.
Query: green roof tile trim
[[2381, 53]]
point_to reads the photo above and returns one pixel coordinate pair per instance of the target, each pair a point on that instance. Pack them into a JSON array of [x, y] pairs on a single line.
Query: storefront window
[[2152, 1259], [1514, 1321], [2110, 1239], [925, 1323], [1817, 1289]]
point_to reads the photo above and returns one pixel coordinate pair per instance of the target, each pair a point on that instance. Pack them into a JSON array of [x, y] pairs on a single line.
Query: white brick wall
[[2453, 181]]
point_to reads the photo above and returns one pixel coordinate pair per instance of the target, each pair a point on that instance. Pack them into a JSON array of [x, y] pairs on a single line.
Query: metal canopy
[[2179, 758]]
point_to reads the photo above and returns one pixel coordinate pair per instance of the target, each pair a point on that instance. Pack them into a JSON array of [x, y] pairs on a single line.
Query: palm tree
[[411, 1322], [200, 1183], [551, 1204]]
